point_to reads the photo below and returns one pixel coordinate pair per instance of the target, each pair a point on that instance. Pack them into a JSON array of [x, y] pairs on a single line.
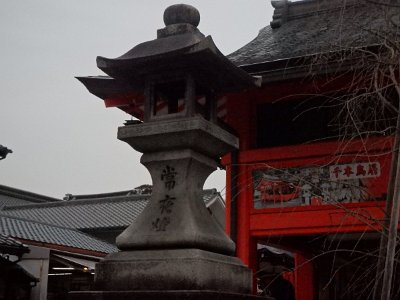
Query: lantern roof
[[179, 49], [184, 53]]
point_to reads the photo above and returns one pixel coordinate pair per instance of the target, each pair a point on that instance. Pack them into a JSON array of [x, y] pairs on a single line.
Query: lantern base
[[164, 295], [172, 269]]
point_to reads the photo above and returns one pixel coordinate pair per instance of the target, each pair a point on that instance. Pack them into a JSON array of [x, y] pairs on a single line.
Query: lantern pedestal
[[164, 295], [175, 269], [174, 248]]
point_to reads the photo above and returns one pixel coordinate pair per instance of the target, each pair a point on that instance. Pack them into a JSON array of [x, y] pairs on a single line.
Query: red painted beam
[[327, 219], [327, 149]]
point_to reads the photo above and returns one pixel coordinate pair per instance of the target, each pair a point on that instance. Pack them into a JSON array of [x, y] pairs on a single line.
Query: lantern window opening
[[206, 103], [165, 98], [179, 95], [169, 98], [202, 106]]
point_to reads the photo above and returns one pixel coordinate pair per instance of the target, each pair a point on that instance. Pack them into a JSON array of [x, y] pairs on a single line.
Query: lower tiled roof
[[91, 213], [6, 200], [51, 234], [209, 195], [84, 214], [10, 196], [10, 246]]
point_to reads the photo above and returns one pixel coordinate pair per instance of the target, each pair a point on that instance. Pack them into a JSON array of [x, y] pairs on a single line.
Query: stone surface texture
[[193, 133], [174, 244], [175, 269], [176, 217], [181, 13], [166, 295]]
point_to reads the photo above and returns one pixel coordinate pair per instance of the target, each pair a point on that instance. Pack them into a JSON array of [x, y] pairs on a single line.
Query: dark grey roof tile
[[12, 197], [83, 214], [10, 246], [51, 234], [6, 240], [6, 200], [319, 32]]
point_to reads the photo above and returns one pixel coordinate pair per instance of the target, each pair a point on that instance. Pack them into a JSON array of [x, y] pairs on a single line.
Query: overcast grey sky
[[63, 138]]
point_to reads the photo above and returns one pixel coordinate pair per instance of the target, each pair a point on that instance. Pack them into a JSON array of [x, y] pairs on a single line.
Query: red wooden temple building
[[311, 175], [312, 171]]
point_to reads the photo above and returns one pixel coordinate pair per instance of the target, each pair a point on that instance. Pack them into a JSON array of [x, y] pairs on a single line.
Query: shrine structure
[[297, 181], [311, 176]]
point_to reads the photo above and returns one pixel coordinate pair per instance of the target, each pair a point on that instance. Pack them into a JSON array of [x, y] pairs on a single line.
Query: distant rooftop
[[310, 27], [12, 197], [50, 234], [110, 210], [145, 189]]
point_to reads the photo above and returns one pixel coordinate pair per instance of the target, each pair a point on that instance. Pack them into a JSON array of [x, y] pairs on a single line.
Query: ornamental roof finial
[[181, 14]]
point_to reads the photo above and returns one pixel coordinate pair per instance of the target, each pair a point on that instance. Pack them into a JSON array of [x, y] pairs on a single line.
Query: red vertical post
[[304, 278], [243, 217], [228, 198], [246, 246]]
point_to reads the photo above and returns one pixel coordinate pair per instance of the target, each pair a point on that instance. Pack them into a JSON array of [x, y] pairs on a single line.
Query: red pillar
[[246, 246], [243, 217], [304, 278], [228, 196]]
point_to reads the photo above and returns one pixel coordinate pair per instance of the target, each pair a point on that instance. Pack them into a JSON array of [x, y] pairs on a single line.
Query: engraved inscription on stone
[[168, 176], [160, 224], [166, 204]]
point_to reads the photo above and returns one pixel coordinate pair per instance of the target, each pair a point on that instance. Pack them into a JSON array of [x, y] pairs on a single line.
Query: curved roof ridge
[[286, 10], [79, 202], [25, 195], [69, 197]]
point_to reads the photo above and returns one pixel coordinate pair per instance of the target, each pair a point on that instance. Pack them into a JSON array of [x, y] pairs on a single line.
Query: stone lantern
[[174, 248]]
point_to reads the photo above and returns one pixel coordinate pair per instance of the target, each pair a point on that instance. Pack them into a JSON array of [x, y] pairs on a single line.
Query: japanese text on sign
[[355, 171]]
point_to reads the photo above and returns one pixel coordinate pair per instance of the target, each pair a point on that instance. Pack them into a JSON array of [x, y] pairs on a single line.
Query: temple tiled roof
[[13, 197], [313, 26], [101, 211], [50, 234], [8, 245], [84, 214], [209, 195], [11, 201]]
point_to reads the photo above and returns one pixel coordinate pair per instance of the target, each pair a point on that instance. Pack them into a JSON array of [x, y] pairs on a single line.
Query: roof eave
[[202, 57], [301, 66]]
